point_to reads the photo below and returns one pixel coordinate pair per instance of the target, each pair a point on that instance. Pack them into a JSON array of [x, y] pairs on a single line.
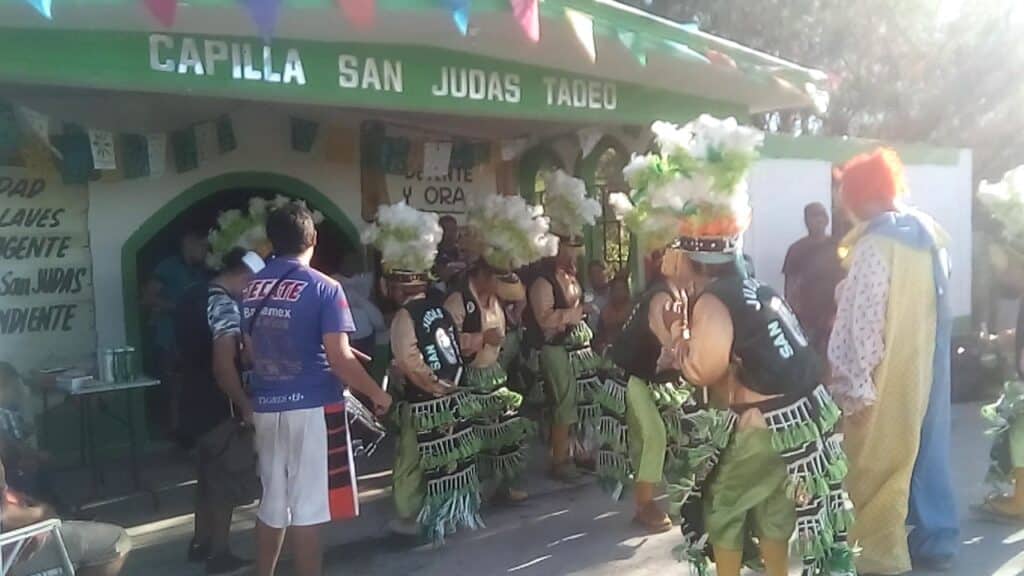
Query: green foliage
[[937, 71]]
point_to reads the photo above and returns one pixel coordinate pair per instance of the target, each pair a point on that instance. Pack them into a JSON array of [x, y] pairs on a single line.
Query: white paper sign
[[207, 147], [47, 312], [156, 149], [103, 155], [437, 158], [449, 193]]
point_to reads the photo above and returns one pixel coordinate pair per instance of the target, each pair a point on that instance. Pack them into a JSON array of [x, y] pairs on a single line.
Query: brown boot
[[562, 469], [648, 515]]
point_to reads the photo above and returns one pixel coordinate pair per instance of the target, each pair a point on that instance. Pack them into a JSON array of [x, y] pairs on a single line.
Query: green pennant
[[134, 156], [395, 155], [481, 153], [225, 135], [303, 134], [462, 155], [76, 165], [630, 41], [10, 132], [183, 147]]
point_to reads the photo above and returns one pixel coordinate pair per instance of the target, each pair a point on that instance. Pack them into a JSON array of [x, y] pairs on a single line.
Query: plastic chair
[[18, 538]]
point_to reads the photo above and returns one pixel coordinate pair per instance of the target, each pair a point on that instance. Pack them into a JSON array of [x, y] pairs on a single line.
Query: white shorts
[[306, 467]]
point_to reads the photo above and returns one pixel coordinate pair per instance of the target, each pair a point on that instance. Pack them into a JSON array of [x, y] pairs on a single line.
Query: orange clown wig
[[872, 181]]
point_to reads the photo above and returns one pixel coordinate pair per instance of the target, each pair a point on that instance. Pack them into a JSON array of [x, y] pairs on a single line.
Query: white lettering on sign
[[368, 74], [200, 56], [447, 194], [477, 84], [581, 94], [47, 314]]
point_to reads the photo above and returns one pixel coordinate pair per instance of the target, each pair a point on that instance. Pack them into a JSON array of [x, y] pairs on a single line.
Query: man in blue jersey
[[297, 322]]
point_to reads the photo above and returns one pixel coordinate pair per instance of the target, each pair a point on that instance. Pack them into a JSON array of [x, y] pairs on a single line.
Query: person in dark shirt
[[812, 272], [208, 334]]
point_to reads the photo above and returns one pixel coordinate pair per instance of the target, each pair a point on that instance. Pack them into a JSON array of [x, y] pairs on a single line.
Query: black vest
[[437, 340], [774, 355], [534, 334], [636, 350], [200, 396], [472, 322]]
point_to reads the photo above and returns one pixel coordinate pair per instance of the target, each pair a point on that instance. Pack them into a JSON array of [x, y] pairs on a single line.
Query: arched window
[[534, 167], [611, 240]]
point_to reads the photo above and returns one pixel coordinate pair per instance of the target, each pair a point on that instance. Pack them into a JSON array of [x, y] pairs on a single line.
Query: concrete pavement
[[561, 532]]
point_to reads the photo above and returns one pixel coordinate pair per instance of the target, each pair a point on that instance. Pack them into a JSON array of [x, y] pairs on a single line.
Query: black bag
[[233, 472]]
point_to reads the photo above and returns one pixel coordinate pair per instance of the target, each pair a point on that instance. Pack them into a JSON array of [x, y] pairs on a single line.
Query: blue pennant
[[44, 7]]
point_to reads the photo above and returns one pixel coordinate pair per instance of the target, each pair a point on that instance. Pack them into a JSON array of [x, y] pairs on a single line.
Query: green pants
[[748, 493], [561, 385], [1017, 443], [408, 486], [646, 432]]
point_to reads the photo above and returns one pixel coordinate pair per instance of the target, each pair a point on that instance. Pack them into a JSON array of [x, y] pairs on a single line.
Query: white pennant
[[39, 124], [103, 155], [583, 26], [156, 150], [589, 137], [207, 147], [437, 158], [512, 149]]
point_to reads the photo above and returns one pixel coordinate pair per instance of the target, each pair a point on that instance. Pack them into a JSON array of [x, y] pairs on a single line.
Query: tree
[[904, 70]]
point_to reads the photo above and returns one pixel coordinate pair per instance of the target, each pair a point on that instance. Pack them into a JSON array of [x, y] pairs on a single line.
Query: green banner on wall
[[358, 75]]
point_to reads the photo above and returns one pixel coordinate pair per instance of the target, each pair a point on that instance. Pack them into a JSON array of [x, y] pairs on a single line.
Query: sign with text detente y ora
[[448, 193], [47, 313]]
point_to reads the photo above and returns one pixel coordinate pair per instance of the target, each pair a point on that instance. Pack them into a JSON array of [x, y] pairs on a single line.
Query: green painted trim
[[609, 16], [839, 150], [121, 61], [168, 212]]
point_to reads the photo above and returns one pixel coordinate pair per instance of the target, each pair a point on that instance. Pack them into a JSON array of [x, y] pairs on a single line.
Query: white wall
[[118, 209], [779, 189]]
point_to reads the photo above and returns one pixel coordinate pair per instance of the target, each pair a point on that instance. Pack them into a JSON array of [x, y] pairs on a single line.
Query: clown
[[436, 488], [763, 455], [889, 353]]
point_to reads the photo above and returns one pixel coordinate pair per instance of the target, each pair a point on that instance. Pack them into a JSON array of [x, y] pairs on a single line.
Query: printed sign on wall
[[47, 313], [445, 194]]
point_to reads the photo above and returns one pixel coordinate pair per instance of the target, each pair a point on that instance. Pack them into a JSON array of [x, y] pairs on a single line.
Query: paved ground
[[559, 532]]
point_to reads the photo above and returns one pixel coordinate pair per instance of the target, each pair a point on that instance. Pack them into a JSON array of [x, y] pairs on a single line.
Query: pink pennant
[[164, 11], [527, 13], [361, 13]]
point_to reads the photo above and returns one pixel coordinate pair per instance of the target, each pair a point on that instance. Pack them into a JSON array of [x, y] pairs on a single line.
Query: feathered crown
[[407, 239], [507, 232], [1004, 202], [567, 206], [693, 192], [247, 229]]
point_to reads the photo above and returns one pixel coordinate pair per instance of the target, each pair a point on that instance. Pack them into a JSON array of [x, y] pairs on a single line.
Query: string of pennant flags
[[363, 14], [82, 154]]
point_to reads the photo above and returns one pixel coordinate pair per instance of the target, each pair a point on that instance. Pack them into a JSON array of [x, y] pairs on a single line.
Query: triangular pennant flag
[[101, 143], [134, 156], [303, 134], [720, 58], [44, 7], [10, 132], [156, 153], [629, 40], [226, 135], [164, 11], [589, 137], [688, 53], [264, 14], [183, 143], [76, 155], [360, 13], [527, 13], [583, 26], [207, 145], [512, 149], [437, 157], [460, 14]]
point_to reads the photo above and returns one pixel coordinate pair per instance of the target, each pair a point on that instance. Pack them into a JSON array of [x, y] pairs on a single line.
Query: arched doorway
[[200, 201], [609, 240]]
